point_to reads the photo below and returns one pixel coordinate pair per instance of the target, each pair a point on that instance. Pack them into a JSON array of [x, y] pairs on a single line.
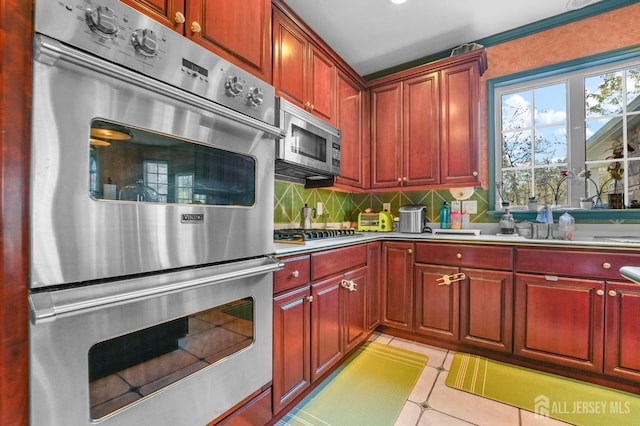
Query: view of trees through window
[[570, 138]]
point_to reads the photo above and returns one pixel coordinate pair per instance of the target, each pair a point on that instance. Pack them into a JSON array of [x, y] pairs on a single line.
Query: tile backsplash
[[345, 207]]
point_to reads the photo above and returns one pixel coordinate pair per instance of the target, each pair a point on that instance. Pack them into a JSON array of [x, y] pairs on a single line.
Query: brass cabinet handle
[[179, 18], [474, 173], [600, 292], [399, 179], [195, 27], [295, 274], [409, 251], [612, 293], [349, 285], [448, 279], [459, 256], [404, 178], [606, 265], [310, 299]]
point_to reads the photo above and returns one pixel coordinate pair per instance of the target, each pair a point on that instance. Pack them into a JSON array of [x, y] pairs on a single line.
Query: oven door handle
[[48, 305]]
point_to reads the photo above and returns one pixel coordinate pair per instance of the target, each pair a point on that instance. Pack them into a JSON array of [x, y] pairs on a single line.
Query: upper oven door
[[130, 175]]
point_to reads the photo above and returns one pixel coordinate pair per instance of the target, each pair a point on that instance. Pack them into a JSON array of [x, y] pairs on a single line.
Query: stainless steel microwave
[[309, 148]]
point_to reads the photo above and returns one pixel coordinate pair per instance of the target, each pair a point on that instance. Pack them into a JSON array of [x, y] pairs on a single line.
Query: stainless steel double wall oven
[[152, 208]]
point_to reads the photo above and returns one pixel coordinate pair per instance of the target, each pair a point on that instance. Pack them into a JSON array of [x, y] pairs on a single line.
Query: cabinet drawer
[[592, 264], [332, 262], [295, 273], [488, 257]]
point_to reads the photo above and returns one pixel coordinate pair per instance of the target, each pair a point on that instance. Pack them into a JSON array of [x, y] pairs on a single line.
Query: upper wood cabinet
[[425, 124], [240, 32], [302, 73], [351, 119]]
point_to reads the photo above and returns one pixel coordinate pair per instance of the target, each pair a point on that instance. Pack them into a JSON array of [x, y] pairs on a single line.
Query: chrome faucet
[[545, 216]]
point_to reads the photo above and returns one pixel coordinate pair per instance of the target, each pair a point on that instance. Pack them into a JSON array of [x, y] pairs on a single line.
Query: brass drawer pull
[[606, 265], [295, 274]]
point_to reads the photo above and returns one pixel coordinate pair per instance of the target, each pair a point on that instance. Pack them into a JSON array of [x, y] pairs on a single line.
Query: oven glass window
[[309, 144], [130, 367], [131, 164]]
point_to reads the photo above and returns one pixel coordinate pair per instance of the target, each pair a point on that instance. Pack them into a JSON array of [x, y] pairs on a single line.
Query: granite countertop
[[596, 236]]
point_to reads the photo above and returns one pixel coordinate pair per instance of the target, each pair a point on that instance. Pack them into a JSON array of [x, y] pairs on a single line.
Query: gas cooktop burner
[[299, 236]]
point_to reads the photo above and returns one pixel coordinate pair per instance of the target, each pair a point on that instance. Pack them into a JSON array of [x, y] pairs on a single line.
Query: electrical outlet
[[319, 209], [470, 206], [386, 207]]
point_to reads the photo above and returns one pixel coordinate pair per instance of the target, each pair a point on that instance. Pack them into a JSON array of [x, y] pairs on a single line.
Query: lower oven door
[[180, 348]]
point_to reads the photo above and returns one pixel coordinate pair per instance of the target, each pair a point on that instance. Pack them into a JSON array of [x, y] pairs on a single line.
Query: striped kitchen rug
[[547, 395], [370, 389]]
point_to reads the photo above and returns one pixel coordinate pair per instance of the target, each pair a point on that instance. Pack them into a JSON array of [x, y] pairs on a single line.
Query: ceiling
[[373, 35]]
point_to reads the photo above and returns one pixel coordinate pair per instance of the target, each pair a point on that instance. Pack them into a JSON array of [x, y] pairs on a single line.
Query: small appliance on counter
[[378, 222], [413, 219]]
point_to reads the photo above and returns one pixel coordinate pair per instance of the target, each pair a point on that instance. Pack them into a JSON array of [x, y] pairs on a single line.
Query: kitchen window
[[569, 134]]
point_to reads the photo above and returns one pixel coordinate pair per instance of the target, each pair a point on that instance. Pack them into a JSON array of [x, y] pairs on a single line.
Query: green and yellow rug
[[547, 395], [370, 389]]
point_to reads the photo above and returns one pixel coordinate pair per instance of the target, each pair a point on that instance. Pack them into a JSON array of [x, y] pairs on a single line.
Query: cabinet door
[[289, 60], [386, 136], [291, 346], [373, 285], [486, 309], [163, 11], [326, 343], [437, 305], [622, 334], [350, 119], [459, 124], [421, 136], [353, 311], [321, 77], [397, 285], [560, 320], [239, 31]]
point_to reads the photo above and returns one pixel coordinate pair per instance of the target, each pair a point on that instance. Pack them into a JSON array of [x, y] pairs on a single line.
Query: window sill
[[599, 215]]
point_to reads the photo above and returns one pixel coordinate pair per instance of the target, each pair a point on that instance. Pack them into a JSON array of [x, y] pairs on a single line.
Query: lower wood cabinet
[[560, 320], [622, 333], [397, 285], [475, 307], [316, 324], [571, 310]]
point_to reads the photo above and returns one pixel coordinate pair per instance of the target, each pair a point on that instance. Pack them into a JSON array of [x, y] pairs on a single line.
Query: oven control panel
[[120, 34]]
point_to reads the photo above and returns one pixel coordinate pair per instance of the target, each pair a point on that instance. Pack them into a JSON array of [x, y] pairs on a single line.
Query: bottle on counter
[[566, 226], [456, 219], [445, 213], [507, 224]]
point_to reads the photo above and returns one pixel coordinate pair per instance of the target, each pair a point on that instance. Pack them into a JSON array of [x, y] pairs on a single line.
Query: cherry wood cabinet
[[319, 316], [352, 119], [326, 327], [397, 298], [560, 320], [622, 333], [301, 71], [437, 306], [240, 32], [373, 285], [425, 124], [476, 306], [291, 346], [571, 310]]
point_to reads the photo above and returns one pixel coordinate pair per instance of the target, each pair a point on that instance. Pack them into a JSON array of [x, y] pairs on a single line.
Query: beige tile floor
[[432, 403]]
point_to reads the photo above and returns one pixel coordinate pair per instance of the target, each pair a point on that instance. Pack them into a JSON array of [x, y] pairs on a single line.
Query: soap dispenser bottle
[[445, 213], [507, 224]]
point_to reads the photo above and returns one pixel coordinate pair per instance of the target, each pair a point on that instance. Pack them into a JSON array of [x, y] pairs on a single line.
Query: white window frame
[[574, 78]]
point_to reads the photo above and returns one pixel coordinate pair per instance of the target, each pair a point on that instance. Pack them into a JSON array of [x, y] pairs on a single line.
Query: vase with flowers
[[556, 189], [615, 201]]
